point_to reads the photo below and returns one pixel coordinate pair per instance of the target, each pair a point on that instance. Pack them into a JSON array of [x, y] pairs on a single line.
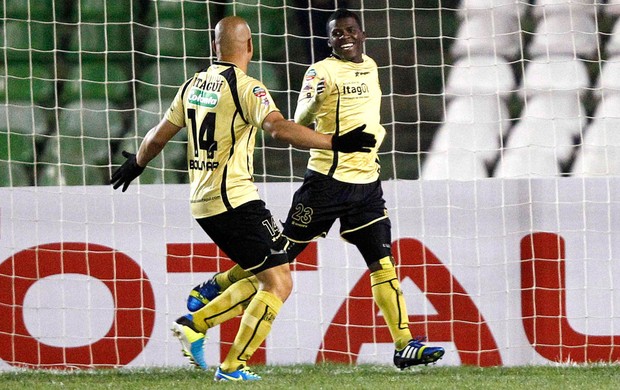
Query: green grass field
[[328, 376]]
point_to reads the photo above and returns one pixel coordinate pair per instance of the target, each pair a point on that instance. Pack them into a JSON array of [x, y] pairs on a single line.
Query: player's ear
[[250, 47]]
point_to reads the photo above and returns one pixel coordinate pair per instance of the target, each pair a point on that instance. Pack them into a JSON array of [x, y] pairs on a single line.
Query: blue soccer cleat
[[242, 374], [192, 341], [202, 294], [416, 353]]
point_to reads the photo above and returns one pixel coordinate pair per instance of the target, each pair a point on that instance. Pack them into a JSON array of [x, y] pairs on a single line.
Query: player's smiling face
[[346, 39]]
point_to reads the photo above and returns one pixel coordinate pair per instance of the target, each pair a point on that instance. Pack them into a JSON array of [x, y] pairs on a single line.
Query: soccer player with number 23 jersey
[[338, 94]]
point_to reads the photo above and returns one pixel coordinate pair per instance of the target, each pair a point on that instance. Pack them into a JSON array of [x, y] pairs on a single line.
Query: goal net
[[499, 170]]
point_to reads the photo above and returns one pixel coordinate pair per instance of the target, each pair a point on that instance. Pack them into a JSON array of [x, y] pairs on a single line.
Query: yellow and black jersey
[[222, 108], [351, 97]]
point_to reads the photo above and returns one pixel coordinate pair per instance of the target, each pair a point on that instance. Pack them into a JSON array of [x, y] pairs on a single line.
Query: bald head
[[233, 40]]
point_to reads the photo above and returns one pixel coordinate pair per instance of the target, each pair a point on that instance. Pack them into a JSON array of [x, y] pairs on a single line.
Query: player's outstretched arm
[[304, 138], [151, 146], [355, 140]]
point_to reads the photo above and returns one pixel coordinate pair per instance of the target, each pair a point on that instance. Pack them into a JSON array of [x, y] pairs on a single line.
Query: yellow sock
[[227, 305], [254, 328], [231, 276], [389, 297]]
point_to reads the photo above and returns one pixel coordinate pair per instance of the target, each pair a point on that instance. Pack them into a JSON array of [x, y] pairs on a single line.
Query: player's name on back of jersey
[[210, 84]]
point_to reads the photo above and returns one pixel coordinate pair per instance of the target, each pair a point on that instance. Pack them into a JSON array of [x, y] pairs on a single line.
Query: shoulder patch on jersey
[[310, 74], [260, 93]]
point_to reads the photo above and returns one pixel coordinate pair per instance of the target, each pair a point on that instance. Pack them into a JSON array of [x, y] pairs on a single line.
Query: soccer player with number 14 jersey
[[223, 108]]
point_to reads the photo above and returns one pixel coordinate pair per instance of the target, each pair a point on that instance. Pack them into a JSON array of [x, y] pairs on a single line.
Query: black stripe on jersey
[[231, 78], [187, 83], [247, 161], [332, 169], [223, 190], [233, 142]]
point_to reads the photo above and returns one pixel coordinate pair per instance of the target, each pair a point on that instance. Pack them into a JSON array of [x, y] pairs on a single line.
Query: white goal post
[[499, 168]]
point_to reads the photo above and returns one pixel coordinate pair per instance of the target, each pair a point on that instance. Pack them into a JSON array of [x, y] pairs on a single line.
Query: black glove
[[126, 172], [354, 141]]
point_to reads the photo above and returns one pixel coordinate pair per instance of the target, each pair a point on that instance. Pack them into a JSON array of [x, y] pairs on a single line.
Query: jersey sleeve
[[257, 102]]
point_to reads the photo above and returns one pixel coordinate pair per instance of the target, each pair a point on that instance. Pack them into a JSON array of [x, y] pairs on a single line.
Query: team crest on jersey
[[203, 98], [260, 93]]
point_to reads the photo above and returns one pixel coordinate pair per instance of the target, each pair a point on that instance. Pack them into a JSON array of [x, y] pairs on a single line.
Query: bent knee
[[277, 280]]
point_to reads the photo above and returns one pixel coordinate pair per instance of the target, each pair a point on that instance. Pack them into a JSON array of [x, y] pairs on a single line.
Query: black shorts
[[321, 200], [249, 235]]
